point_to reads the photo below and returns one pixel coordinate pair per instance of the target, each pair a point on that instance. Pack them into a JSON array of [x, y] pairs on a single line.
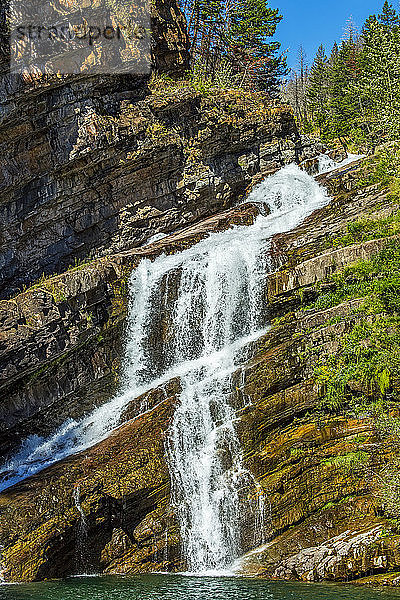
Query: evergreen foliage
[[354, 94], [365, 371], [317, 91], [235, 36]]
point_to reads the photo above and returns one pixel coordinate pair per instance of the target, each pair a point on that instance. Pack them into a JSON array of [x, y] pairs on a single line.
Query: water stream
[[326, 163], [82, 564], [193, 315]]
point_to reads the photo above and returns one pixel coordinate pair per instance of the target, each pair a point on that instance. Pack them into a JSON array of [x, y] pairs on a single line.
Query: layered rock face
[[61, 341], [320, 472], [110, 511], [317, 472], [56, 203], [131, 169], [91, 169]]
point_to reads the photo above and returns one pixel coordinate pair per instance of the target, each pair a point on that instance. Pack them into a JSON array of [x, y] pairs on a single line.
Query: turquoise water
[[175, 587]]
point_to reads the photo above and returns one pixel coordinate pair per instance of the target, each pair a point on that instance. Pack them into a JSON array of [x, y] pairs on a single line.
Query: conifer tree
[[340, 102], [378, 85], [355, 93], [236, 33], [251, 24], [317, 89], [388, 18]]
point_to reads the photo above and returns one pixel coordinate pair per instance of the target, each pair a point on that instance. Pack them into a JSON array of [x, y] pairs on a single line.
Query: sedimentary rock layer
[[321, 516], [61, 341], [93, 167]]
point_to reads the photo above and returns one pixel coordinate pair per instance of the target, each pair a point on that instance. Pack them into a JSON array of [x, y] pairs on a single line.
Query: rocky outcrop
[[108, 512], [309, 272], [48, 198], [61, 340], [343, 557], [121, 168], [363, 548], [170, 42], [316, 470], [173, 158]]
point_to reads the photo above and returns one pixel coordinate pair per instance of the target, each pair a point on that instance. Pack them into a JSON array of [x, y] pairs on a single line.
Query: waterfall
[[193, 315], [326, 163]]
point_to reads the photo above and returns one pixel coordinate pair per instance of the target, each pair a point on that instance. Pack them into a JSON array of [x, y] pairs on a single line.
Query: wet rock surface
[[321, 517], [104, 509], [61, 342]]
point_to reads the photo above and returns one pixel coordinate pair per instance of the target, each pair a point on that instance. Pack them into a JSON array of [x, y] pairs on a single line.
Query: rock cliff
[[168, 160], [56, 203], [93, 169], [318, 470], [61, 340]]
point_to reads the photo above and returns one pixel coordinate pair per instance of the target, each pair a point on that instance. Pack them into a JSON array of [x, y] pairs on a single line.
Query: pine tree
[[378, 84], [236, 33], [317, 89], [355, 93], [338, 110], [388, 18], [251, 24], [335, 52]]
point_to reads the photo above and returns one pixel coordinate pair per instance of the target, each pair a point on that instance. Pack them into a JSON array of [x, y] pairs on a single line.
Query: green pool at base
[[178, 587]]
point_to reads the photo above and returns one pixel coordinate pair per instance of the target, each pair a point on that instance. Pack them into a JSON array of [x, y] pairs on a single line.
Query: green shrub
[[368, 358], [364, 230], [348, 462], [198, 80]]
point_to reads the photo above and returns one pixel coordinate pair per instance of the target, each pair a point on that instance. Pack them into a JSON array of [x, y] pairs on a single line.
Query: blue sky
[[310, 23]]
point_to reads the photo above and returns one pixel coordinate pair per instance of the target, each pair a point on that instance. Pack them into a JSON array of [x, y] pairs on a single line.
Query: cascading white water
[[192, 315], [326, 163], [224, 287]]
